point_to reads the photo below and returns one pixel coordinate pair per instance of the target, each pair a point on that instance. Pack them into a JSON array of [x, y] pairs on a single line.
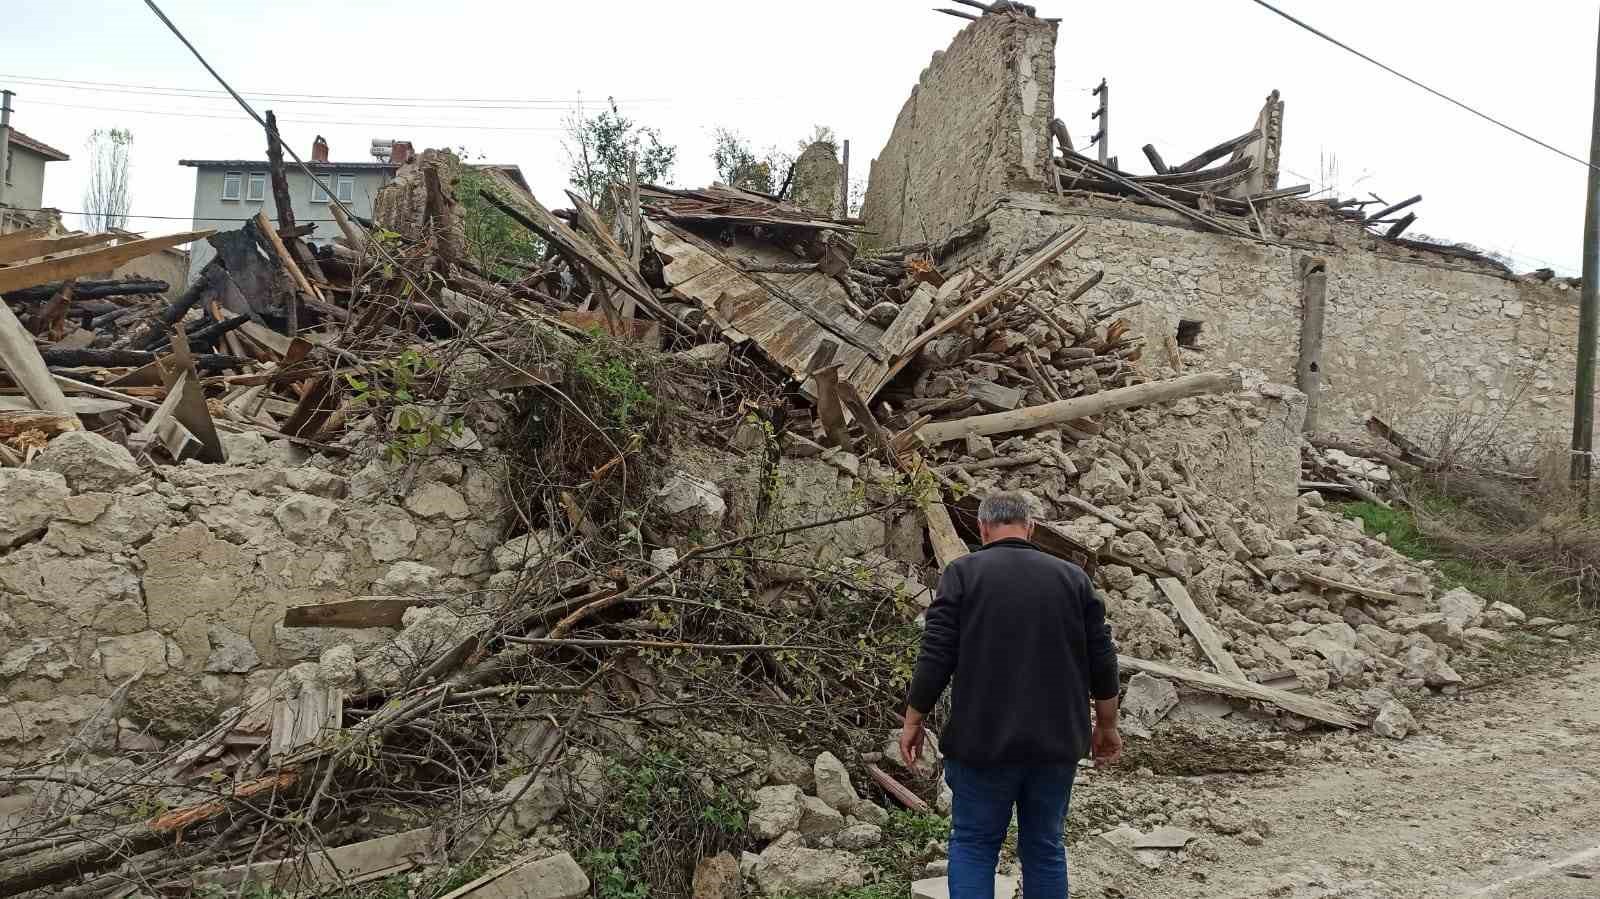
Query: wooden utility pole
[[1589, 309], [1103, 136]]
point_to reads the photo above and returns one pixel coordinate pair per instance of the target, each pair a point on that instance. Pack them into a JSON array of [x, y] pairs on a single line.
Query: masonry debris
[[367, 562]]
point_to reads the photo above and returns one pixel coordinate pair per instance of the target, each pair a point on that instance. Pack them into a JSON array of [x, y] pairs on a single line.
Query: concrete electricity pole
[[1589, 310], [5, 138], [1103, 136]]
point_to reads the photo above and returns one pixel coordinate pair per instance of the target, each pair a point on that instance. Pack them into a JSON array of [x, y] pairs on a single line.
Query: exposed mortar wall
[[976, 124], [185, 574], [1441, 348]]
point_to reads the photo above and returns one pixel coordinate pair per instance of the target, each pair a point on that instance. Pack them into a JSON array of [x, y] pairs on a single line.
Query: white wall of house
[[213, 210], [25, 186]]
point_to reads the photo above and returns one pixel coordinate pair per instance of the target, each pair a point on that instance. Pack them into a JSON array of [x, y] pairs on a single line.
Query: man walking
[[1025, 637]]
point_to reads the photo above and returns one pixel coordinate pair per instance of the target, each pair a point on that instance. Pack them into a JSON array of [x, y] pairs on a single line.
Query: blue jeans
[[984, 797]]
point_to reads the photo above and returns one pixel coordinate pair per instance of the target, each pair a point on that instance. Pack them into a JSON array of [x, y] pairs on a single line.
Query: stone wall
[[976, 124], [180, 575], [1443, 348]]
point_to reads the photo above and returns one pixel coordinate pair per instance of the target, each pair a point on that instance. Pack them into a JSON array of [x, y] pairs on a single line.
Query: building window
[[231, 182], [256, 190], [1189, 333], [319, 189], [346, 187]]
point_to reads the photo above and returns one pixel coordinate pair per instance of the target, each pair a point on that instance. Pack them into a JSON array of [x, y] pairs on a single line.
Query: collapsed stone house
[[1432, 338]]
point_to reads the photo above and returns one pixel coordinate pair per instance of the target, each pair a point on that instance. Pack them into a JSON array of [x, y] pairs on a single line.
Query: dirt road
[[1500, 798]]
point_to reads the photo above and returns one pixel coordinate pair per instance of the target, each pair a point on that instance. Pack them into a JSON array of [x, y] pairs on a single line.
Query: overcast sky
[[1184, 75]]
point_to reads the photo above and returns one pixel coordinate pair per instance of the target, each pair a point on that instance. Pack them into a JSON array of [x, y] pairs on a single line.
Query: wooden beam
[[1308, 364], [1390, 210], [366, 612], [20, 356], [1022, 272], [1220, 150], [1084, 406], [27, 234], [1304, 706], [1125, 183], [1155, 160], [17, 277], [1200, 627], [35, 250]]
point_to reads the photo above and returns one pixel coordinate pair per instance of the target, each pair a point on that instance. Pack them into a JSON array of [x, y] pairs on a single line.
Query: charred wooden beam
[[88, 290]]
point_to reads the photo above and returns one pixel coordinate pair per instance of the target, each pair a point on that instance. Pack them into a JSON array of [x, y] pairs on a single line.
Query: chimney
[[402, 153], [319, 150]]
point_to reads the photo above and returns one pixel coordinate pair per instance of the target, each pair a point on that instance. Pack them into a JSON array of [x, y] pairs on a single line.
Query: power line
[[221, 95], [172, 218], [445, 124], [1443, 96]]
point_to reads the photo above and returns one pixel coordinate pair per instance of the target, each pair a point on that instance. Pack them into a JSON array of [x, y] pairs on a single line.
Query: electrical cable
[[301, 120], [201, 93], [1441, 95]]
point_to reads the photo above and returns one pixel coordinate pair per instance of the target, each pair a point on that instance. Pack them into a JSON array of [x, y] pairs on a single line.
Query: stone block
[[89, 462], [29, 500]]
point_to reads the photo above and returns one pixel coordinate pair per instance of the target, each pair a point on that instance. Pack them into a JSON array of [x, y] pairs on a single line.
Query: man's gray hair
[[1006, 507]]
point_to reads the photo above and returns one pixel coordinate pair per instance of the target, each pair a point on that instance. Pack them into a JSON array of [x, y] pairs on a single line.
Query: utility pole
[[5, 140], [844, 184], [1103, 136], [1589, 310]]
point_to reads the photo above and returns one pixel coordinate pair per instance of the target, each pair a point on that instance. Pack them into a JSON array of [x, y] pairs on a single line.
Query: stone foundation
[[180, 576]]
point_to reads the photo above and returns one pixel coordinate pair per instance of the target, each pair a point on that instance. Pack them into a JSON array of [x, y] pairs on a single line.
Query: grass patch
[[1535, 593]]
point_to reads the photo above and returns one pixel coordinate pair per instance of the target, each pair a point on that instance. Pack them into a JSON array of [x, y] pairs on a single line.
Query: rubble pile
[[577, 568]]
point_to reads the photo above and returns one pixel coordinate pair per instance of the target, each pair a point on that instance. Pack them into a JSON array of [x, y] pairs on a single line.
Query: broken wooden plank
[[1200, 628], [1328, 583], [536, 875], [869, 423], [323, 869], [908, 322], [37, 250], [370, 611], [27, 368], [994, 397], [1084, 406], [301, 720], [1021, 272], [17, 277], [191, 410], [825, 375], [16, 237], [1304, 706]]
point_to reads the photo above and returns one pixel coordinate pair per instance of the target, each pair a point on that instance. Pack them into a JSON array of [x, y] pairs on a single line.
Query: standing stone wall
[[1443, 348], [180, 576], [976, 125]]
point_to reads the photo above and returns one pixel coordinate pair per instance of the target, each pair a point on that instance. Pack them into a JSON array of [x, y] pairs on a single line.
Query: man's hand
[[911, 737], [1107, 746]]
